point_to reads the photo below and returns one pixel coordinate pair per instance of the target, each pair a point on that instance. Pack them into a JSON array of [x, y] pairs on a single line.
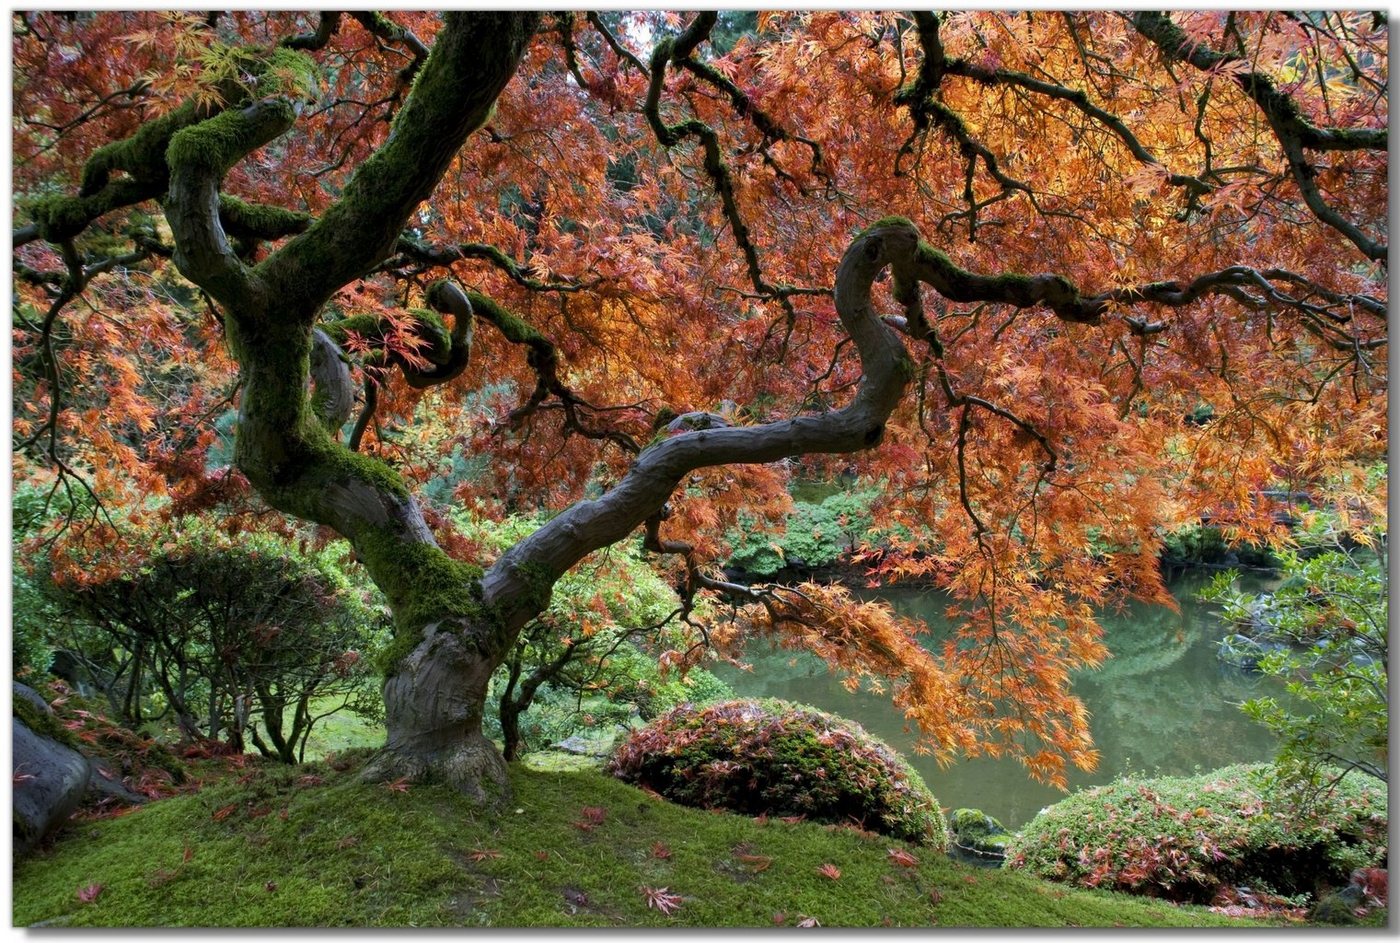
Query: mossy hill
[[312, 846]]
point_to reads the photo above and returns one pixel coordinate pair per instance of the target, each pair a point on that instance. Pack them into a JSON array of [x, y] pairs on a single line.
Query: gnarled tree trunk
[[433, 704], [454, 623]]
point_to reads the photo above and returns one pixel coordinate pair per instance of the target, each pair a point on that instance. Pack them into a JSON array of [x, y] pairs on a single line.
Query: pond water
[[1162, 704]]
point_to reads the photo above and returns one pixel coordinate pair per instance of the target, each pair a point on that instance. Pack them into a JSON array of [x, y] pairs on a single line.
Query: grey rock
[[49, 782]]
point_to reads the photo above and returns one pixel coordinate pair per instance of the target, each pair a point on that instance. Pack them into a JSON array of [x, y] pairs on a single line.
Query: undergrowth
[[312, 846]]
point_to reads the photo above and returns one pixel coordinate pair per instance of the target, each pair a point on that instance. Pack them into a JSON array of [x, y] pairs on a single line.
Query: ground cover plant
[[270, 845], [1185, 838], [1045, 281], [770, 757]]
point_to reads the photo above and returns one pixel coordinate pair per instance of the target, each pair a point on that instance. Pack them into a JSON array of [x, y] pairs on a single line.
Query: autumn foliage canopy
[[1149, 285]]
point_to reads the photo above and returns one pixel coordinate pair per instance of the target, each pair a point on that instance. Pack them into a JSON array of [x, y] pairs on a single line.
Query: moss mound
[[776, 758], [312, 846], [1184, 837]]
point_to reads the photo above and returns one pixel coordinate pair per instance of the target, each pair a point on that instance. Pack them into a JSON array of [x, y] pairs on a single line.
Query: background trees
[[642, 218]]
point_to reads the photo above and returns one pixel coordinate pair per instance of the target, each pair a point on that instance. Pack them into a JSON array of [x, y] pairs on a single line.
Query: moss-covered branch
[[588, 525], [244, 220], [473, 57], [543, 358], [198, 156]]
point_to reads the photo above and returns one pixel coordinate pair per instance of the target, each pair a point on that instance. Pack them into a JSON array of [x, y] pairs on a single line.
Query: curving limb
[[646, 487], [1295, 133]]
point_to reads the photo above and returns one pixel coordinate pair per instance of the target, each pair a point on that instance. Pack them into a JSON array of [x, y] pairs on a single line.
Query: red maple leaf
[[829, 871], [902, 858], [662, 899], [90, 893]]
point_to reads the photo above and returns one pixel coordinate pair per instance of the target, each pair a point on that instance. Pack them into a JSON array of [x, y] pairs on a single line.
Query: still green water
[[1161, 704]]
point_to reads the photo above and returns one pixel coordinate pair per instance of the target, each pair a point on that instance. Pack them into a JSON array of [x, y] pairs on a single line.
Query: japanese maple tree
[[1051, 282]]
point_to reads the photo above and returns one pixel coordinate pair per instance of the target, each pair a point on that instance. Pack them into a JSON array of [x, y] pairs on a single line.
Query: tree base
[[474, 767]]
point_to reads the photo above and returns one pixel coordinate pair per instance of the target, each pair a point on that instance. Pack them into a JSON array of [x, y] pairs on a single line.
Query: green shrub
[[775, 758], [590, 660], [1328, 620], [252, 632], [814, 535], [1181, 837]]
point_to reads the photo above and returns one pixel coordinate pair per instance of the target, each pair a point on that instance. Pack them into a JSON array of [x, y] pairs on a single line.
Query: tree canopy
[[1053, 283]]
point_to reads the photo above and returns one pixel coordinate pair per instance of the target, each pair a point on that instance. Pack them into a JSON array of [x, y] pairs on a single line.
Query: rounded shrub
[[1183, 837], [776, 758]]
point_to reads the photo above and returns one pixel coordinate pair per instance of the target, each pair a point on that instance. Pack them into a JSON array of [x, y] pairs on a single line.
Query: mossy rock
[[977, 838], [781, 759]]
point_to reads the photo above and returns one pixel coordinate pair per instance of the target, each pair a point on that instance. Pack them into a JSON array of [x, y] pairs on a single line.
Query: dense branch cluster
[[1004, 254]]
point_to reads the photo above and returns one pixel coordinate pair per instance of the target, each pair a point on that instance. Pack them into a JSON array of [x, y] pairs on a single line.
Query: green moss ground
[[308, 846]]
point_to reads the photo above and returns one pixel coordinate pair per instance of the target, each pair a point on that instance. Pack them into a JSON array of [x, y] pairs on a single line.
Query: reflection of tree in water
[[1162, 702]]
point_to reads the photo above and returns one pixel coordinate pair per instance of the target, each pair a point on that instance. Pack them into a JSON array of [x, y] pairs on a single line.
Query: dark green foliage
[[1204, 544], [35, 616], [775, 758], [815, 535], [1181, 837], [228, 636]]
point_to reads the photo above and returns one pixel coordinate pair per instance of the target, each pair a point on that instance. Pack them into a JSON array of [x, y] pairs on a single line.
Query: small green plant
[[1182, 837], [775, 758], [1331, 614], [590, 661]]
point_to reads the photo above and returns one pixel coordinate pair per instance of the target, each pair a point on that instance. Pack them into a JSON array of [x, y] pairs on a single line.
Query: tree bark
[[433, 703]]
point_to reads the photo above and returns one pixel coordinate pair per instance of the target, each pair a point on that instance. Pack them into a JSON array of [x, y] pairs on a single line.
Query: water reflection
[[1163, 704]]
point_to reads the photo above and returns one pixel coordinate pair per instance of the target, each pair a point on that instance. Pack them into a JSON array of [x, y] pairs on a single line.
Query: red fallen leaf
[[584, 826], [259, 812], [398, 785], [90, 893], [310, 779], [794, 819], [594, 814], [662, 899], [660, 851], [189, 853], [542, 855], [225, 812], [809, 922], [483, 854], [829, 871], [935, 897], [902, 858], [779, 918]]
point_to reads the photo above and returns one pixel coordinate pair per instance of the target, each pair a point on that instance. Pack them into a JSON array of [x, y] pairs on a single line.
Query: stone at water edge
[[977, 838]]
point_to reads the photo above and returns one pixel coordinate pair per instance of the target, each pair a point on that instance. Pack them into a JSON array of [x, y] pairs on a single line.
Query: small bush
[[775, 758], [1182, 837], [814, 535]]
